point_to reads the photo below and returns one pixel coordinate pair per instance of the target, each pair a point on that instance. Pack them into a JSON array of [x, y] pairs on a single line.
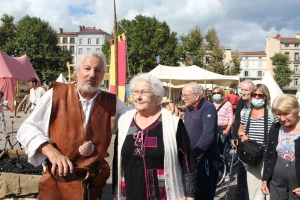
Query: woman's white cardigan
[[172, 168]]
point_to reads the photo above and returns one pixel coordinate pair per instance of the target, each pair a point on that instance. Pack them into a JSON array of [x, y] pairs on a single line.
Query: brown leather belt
[[79, 173], [225, 126]]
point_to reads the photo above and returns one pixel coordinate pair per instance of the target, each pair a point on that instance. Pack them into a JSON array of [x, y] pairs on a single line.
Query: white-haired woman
[[155, 160]]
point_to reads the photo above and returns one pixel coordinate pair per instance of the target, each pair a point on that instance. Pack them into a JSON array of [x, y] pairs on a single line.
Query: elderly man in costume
[[69, 132]]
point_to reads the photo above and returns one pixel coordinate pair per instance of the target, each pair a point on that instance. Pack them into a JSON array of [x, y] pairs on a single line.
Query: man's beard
[[84, 88]]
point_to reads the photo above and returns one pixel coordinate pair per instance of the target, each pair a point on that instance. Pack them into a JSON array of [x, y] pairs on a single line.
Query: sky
[[242, 24]]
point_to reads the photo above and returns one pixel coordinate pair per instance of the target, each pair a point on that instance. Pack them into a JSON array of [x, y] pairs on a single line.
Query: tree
[[214, 52], [191, 45], [46, 57], [234, 65], [7, 34], [281, 70], [146, 39]]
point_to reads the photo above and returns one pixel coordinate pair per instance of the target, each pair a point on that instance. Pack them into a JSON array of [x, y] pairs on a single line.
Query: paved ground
[[13, 125]]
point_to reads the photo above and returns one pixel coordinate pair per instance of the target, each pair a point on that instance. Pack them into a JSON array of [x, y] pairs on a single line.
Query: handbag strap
[[265, 124], [221, 105]]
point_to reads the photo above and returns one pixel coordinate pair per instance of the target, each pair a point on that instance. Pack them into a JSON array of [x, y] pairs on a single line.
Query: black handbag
[[251, 152]]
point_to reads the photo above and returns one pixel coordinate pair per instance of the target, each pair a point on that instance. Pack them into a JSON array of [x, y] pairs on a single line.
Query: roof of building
[[67, 33], [251, 53], [287, 40]]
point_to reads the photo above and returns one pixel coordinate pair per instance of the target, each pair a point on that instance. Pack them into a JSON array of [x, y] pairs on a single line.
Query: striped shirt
[[256, 129], [225, 114]]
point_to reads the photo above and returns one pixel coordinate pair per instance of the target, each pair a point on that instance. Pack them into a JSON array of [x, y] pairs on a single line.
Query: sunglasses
[[216, 93], [260, 96]]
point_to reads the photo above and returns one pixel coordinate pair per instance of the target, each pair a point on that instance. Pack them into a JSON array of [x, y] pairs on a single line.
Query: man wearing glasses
[[201, 122]]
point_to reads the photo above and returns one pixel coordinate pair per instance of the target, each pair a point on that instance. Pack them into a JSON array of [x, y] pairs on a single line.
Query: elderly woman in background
[[154, 155], [282, 161], [257, 117], [225, 120]]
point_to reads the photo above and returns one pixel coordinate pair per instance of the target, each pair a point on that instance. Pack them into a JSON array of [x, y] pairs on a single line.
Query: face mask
[[239, 91], [217, 97], [258, 102]]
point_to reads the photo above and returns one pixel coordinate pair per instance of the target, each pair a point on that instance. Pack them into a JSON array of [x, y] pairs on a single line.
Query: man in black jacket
[[246, 86]]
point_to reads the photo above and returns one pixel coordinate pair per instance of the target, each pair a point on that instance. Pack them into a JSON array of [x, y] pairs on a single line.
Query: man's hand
[[234, 143], [264, 188], [57, 159], [18, 110], [297, 192], [171, 107]]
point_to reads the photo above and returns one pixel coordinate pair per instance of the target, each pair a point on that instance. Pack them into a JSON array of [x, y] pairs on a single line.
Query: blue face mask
[[239, 91], [217, 97], [257, 102]]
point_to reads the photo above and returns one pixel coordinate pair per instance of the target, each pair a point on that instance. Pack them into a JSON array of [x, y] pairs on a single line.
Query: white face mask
[[257, 102]]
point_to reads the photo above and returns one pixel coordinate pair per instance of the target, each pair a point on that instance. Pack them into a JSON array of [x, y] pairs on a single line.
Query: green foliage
[[234, 65], [282, 71], [191, 45], [214, 51], [46, 57], [146, 39]]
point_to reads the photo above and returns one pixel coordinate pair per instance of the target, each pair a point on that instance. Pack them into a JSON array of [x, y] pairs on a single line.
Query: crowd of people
[[157, 154]]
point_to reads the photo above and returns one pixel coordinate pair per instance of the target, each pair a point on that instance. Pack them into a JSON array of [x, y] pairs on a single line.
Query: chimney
[[83, 28], [94, 27], [60, 30], [278, 36], [79, 28]]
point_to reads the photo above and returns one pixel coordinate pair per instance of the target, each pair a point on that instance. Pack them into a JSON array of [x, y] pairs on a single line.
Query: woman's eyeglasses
[[216, 93], [260, 96]]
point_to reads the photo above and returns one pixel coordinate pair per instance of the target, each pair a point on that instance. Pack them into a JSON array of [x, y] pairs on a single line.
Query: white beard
[[87, 89]]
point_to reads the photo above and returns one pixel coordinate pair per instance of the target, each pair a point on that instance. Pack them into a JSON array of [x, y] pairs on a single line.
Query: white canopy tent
[[176, 77], [61, 79]]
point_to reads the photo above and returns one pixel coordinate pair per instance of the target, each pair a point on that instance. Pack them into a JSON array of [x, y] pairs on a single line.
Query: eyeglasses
[[260, 96], [186, 95], [216, 93], [142, 93]]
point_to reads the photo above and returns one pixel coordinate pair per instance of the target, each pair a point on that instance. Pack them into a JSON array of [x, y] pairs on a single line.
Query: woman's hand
[[297, 192], [264, 188], [244, 137]]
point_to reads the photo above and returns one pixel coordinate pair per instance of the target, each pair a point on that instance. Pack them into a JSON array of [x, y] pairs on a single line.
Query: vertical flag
[[192, 60], [121, 67], [157, 60], [27, 50]]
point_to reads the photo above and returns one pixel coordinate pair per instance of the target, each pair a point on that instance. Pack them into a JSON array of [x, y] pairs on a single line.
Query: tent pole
[[170, 90]]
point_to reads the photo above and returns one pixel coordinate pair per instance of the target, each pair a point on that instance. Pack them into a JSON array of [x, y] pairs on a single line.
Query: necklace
[[87, 148]]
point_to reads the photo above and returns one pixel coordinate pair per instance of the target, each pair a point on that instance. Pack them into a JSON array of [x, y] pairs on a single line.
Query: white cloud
[[239, 23]]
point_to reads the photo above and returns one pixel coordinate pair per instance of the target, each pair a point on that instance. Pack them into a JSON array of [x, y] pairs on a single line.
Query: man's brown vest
[[66, 133]]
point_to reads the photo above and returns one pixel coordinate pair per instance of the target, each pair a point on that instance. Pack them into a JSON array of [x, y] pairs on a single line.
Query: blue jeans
[[207, 177]]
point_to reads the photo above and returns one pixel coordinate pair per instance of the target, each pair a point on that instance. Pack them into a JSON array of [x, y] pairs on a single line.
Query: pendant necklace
[[87, 148]]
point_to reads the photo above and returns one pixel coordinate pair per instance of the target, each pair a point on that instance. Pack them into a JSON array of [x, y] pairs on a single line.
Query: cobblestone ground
[[14, 122]]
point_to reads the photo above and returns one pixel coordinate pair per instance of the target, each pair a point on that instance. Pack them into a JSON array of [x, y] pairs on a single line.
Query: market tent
[[13, 69], [182, 75], [61, 79], [174, 78]]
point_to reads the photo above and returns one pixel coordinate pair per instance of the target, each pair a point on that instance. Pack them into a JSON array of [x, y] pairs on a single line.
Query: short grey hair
[[248, 81], [152, 80], [97, 54], [196, 88]]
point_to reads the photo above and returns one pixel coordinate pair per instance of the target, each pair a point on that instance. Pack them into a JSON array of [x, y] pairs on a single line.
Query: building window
[[97, 40], [259, 73], [296, 56], [72, 40], [65, 40], [296, 69], [64, 48], [72, 49], [80, 40], [97, 49], [287, 54], [246, 74], [72, 61], [295, 82], [296, 45], [80, 51], [89, 49], [58, 40], [287, 45], [89, 40]]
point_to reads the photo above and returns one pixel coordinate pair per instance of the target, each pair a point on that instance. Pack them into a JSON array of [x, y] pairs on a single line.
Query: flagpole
[[116, 48]]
